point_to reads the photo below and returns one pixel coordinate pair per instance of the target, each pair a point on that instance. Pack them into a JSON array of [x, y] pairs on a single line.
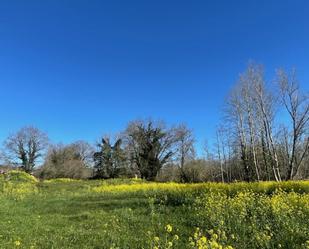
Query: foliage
[[251, 220], [17, 184], [66, 213], [109, 160], [64, 162], [150, 146]]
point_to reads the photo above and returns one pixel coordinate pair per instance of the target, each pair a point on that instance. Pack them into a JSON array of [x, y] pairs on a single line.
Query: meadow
[[132, 213]]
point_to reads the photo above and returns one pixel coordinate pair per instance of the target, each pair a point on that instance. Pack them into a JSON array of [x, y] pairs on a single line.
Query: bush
[[74, 169], [17, 184]]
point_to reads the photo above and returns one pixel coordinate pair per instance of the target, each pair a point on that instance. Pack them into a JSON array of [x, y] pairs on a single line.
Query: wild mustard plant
[[168, 241], [112, 213], [200, 241]]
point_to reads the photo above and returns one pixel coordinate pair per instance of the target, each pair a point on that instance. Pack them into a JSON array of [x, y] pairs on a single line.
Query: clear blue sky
[[80, 69]]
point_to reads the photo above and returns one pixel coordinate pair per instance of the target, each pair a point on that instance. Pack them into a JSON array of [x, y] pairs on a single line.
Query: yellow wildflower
[[17, 243], [156, 239], [168, 228]]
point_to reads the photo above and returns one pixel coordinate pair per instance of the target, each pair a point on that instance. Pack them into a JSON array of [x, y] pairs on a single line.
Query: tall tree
[[151, 146], [297, 107], [250, 112], [247, 80], [235, 118], [85, 151], [108, 161], [184, 147], [221, 151], [265, 102], [26, 147]]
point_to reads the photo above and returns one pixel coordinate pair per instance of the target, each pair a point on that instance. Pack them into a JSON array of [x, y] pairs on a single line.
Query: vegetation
[[252, 136], [109, 160], [133, 213], [66, 162], [251, 143], [150, 147], [25, 147], [149, 189]]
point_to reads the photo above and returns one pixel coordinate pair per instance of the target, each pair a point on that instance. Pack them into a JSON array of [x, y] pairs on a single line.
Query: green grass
[[91, 214], [70, 215]]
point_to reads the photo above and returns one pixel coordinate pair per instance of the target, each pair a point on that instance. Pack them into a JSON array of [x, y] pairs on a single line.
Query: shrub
[[18, 184]]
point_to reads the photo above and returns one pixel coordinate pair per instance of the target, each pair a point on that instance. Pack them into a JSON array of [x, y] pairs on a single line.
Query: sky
[[81, 69]]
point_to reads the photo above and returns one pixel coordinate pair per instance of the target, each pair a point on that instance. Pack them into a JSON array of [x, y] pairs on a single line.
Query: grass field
[[132, 213]]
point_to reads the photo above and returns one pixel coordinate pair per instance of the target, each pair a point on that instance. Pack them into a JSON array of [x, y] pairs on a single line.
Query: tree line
[[265, 130], [264, 135], [142, 150]]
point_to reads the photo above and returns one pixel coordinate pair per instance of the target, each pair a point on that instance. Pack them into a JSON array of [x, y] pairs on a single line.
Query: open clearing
[[132, 213]]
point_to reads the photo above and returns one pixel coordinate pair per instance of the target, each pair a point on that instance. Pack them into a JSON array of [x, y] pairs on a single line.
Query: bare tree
[[235, 118], [265, 102], [26, 147], [64, 161], [85, 151], [267, 149], [297, 106], [248, 79], [184, 147], [250, 113], [220, 152]]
